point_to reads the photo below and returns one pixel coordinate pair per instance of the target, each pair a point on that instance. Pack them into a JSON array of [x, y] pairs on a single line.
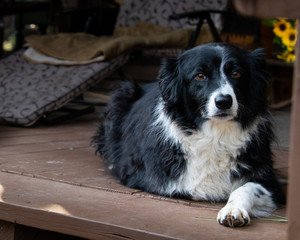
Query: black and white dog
[[202, 132]]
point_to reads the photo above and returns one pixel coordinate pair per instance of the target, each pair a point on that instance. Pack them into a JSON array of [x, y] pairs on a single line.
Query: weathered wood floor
[[51, 179]]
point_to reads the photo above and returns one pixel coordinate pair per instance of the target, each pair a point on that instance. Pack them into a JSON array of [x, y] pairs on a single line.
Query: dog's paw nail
[[233, 217]]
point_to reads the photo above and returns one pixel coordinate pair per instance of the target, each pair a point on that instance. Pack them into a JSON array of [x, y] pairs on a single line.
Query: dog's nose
[[223, 102]]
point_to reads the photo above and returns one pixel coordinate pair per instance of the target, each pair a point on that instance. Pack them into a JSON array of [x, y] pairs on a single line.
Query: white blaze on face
[[215, 108]]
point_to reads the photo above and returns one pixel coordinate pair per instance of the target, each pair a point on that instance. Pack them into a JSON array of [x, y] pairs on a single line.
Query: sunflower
[[290, 39], [281, 28]]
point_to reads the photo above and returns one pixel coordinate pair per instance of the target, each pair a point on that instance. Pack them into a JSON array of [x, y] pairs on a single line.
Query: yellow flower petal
[[291, 58]]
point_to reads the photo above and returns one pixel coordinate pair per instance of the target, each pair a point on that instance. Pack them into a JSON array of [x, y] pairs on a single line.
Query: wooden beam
[[294, 176]]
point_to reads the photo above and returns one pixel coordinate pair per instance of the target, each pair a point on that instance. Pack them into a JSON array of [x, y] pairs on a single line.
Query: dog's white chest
[[210, 153]]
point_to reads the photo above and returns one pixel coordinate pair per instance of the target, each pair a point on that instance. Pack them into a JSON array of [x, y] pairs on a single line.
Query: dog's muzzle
[[222, 104]]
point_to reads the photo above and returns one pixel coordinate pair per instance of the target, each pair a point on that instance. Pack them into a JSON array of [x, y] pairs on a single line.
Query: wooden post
[[294, 164]]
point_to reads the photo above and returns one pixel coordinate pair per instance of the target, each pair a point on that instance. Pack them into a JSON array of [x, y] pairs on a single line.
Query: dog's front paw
[[230, 216]]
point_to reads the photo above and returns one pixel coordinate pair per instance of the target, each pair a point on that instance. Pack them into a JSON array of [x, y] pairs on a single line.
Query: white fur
[[208, 153]]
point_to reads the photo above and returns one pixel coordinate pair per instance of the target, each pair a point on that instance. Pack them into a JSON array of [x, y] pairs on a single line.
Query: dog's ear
[[259, 67], [258, 57], [169, 81]]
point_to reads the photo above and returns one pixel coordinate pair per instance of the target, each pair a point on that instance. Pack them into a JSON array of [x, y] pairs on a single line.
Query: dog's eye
[[200, 76], [235, 74]]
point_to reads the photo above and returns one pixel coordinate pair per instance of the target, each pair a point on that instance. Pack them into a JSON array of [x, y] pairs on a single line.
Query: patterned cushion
[[159, 11], [28, 90]]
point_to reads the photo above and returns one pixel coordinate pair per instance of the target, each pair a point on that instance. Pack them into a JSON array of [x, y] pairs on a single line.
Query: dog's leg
[[250, 199]]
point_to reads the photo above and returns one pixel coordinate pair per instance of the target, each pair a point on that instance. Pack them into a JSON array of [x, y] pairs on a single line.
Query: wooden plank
[[41, 132], [7, 230], [43, 147], [30, 139], [75, 166], [94, 213], [84, 123]]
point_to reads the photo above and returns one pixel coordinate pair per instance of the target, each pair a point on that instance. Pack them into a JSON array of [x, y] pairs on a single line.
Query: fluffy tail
[[105, 141]]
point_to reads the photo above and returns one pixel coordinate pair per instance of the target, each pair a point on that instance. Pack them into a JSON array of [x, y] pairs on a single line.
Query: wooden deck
[[50, 179]]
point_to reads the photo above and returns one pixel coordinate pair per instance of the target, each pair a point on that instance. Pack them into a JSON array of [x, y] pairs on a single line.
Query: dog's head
[[215, 82]]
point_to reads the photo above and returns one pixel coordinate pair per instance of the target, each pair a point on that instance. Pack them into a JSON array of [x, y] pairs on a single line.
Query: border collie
[[202, 132]]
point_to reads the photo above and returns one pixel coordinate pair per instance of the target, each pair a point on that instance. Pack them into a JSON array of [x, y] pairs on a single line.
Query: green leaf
[[269, 22], [277, 40]]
